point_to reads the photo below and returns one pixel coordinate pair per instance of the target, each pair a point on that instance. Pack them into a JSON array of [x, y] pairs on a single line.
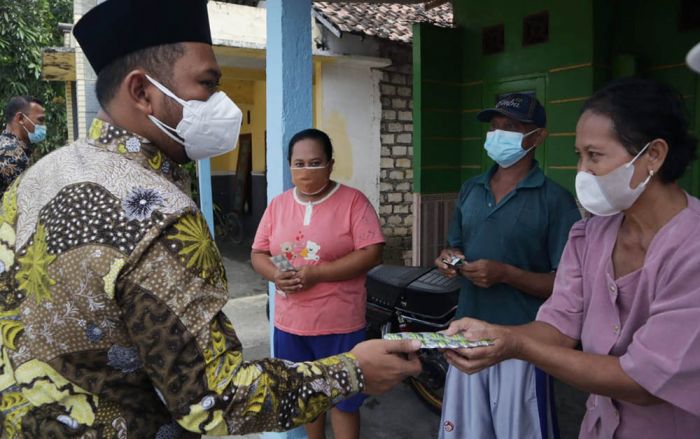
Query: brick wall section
[[396, 175]]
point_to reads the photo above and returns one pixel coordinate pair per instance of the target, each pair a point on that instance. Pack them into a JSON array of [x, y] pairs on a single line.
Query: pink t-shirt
[[648, 318], [311, 234]]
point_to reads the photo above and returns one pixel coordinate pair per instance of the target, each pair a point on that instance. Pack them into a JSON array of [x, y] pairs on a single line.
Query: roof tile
[[391, 21]]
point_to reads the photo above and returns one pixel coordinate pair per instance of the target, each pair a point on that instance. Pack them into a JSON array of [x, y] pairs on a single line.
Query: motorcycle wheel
[[430, 384], [431, 398]]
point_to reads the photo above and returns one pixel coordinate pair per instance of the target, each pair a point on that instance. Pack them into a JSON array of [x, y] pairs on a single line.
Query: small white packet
[[282, 263]]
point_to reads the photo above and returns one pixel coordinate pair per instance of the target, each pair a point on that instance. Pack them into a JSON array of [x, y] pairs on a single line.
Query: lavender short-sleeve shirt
[[650, 319]]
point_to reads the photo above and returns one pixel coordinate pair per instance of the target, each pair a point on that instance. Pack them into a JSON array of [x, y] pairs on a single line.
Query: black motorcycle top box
[[386, 283], [422, 291]]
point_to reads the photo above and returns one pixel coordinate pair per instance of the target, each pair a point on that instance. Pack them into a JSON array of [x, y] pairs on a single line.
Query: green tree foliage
[[27, 26]]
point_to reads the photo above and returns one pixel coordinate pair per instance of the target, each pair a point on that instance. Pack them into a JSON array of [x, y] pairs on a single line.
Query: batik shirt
[[111, 291], [13, 159]]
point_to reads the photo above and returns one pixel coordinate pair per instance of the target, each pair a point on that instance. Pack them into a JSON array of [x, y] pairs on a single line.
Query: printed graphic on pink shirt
[[301, 250]]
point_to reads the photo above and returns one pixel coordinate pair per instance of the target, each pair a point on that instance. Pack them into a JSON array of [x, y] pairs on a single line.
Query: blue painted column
[[289, 102], [206, 205]]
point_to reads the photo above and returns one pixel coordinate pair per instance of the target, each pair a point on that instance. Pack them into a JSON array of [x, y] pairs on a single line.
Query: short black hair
[[313, 134], [157, 61], [643, 110], [19, 104]]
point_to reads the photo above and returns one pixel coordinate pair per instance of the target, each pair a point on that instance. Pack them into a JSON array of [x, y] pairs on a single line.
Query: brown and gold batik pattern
[[111, 292]]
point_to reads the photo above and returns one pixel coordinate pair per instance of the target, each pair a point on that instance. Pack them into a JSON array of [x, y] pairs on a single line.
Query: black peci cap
[[518, 106], [117, 28]]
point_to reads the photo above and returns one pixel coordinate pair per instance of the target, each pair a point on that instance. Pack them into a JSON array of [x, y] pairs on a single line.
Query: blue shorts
[[298, 348]]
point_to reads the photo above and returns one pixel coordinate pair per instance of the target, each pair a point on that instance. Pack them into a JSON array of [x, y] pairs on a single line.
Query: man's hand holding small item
[[385, 363], [446, 255]]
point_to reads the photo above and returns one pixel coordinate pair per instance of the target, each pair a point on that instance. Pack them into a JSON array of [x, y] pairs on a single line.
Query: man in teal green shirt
[[508, 232]]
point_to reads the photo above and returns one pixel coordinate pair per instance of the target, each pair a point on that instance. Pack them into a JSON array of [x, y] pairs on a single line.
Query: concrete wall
[[396, 177], [394, 183]]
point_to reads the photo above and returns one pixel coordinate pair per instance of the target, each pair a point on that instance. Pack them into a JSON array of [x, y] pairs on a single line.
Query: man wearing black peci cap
[[111, 288], [509, 229]]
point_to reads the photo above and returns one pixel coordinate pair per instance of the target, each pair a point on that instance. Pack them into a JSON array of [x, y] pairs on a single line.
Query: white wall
[[350, 113], [86, 99], [236, 25]]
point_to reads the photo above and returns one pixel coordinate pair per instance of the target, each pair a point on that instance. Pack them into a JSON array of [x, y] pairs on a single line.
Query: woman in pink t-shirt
[[628, 286], [328, 236]]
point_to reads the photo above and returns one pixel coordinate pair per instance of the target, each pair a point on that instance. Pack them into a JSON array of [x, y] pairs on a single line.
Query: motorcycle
[[414, 299]]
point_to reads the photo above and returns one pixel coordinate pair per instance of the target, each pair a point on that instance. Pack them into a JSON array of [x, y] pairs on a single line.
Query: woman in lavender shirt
[[628, 284]]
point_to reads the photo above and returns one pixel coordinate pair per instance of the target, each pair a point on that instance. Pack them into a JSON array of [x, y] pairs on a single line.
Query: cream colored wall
[[258, 115], [349, 105], [241, 92], [247, 88]]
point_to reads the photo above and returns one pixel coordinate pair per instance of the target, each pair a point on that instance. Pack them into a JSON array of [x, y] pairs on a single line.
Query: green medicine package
[[436, 340]]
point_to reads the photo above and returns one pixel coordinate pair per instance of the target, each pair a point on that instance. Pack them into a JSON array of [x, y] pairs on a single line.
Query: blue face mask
[[506, 147], [39, 134]]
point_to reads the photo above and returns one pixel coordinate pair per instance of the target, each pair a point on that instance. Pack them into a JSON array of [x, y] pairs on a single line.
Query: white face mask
[[611, 193], [208, 128]]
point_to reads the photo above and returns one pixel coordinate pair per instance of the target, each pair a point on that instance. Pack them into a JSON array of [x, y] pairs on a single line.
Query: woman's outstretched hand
[[507, 345]]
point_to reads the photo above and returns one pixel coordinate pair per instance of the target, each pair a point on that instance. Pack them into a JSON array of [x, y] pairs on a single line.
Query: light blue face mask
[[506, 147], [39, 134]]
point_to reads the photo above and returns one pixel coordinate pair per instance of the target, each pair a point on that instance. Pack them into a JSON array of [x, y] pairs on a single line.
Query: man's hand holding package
[[385, 363]]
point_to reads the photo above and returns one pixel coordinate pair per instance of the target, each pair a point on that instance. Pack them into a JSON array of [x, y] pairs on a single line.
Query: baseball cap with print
[[519, 106]]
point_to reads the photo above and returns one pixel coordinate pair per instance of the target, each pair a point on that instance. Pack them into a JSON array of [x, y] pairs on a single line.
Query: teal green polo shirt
[[528, 229]]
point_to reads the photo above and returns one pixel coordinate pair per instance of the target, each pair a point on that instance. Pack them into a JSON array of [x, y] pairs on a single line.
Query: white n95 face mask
[[208, 128], [611, 193]]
